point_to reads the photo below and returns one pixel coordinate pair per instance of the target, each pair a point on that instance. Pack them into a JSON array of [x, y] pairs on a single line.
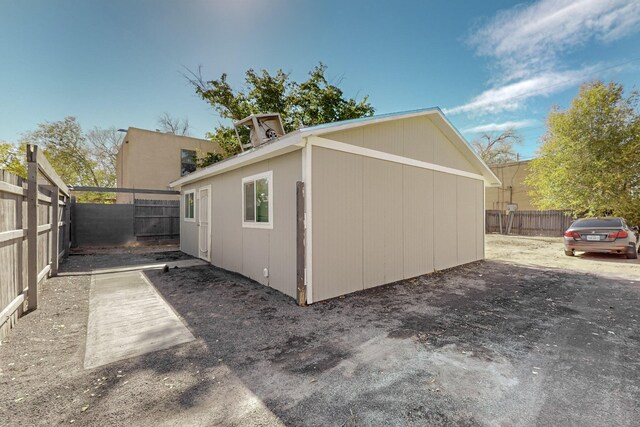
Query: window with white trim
[[257, 197], [189, 205]]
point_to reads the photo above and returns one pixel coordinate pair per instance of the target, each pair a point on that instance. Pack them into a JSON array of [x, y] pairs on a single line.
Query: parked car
[[610, 235]]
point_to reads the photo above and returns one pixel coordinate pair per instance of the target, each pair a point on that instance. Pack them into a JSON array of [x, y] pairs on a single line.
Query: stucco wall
[[151, 160], [248, 250], [513, 189]]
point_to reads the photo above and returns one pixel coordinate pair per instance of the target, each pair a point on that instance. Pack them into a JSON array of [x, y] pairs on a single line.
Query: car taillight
[[618, 235], [572, 234]]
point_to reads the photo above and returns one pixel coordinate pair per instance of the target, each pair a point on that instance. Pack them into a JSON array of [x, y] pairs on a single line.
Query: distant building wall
[[151, 160], [513, 189]]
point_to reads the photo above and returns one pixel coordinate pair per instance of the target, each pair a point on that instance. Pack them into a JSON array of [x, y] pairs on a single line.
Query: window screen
[[249, 201], [257, 200], [262, 200], [189, 208]]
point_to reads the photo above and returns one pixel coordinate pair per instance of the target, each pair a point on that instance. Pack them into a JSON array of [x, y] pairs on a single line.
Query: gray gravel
[[491, 343]]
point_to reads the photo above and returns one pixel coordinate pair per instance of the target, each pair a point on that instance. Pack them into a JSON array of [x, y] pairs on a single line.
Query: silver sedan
[[609, 234]]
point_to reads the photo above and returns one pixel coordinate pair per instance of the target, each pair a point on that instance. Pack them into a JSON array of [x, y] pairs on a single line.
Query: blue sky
[[488, 64]]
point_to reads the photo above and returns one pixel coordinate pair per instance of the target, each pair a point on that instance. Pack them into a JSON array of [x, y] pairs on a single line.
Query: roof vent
[[260, 128]]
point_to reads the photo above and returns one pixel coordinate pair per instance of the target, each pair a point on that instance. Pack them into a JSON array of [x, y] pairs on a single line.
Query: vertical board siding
[[417, 138], [418, 218], [403, 221], [232, 234], [217, 224], [480, 202], [287, 170], [249, 251], [337, 223], [387, 137], [445, 221], [382, 222], [467, 214], [420, 130]]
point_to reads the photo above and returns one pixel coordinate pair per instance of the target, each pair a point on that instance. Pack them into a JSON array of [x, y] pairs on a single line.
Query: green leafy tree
[[312, 102], [77, 161], [589, 162], [12, 159], [497, 148]]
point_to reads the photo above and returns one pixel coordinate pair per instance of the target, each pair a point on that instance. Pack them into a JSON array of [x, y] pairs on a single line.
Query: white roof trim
[[294, 141]]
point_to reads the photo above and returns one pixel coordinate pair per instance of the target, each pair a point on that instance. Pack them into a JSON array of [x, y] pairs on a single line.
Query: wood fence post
[[72, 220], [66, 240], [32, 227], [301, 288], [55, 230]]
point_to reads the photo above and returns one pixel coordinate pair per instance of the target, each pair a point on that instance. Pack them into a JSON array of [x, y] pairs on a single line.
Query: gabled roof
[[295, 141]]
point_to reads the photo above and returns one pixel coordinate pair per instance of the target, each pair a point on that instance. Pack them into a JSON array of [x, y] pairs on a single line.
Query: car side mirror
[[634, 229]]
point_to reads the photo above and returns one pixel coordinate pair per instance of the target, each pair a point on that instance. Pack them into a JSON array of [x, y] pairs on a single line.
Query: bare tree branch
[[169, 124], [497, 148]]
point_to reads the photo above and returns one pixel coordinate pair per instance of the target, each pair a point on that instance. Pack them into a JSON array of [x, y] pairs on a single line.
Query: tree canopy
[[589, 161], [497, 148], [11, 159], [80, 159], [312, 102]]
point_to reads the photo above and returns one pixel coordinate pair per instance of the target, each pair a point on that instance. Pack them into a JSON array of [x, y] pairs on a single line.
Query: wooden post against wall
[[55, 230], [32, 227], [301, 286], [66, 240], [72, 220]]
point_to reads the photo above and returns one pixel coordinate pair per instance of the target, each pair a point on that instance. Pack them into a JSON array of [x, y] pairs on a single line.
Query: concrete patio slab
[[127, 317]]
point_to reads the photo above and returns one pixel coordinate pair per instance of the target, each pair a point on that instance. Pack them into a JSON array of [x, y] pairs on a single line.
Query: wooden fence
[[529, 223], [34, 235], [156, 219]]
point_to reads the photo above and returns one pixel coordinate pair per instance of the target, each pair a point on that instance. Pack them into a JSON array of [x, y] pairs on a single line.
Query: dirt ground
[[527, 337]]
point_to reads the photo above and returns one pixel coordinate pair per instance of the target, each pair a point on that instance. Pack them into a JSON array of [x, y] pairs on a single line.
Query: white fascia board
[[282, 146], [381, 155], [490, 179]]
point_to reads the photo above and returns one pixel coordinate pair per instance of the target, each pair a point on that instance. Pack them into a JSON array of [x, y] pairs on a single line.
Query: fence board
[[529, 223], [156, 219], [27, 253]]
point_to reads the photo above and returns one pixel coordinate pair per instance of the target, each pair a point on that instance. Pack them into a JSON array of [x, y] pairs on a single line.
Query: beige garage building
[[337, 208]]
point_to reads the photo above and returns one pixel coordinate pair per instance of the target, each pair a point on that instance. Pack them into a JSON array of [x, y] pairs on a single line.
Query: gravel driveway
[[526, 337]]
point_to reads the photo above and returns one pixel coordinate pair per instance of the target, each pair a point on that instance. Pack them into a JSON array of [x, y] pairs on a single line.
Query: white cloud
[[526, 40], [512, 96], [498, 127], [526, 44]]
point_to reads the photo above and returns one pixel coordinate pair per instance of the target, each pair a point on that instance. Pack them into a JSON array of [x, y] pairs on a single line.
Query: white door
[[204, 217]]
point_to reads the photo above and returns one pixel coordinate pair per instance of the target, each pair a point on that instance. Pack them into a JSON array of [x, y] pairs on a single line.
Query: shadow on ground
[[487, 343]]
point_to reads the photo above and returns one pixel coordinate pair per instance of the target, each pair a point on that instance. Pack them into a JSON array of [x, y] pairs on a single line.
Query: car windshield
[[598, 222]]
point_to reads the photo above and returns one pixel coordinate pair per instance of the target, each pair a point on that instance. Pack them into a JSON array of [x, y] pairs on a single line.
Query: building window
[[187, 162], [257, 197], [189, 206]]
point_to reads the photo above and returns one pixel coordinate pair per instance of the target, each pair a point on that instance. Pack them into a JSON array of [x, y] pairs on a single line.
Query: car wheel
[[632, 253], [569, 253]]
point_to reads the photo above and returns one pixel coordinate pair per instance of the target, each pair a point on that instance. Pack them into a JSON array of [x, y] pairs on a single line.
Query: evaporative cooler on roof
[[261, 128]]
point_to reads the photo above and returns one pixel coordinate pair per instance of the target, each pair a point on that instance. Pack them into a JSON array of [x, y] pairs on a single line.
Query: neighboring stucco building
[[513, 189], [386, 198], [151, 160]]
